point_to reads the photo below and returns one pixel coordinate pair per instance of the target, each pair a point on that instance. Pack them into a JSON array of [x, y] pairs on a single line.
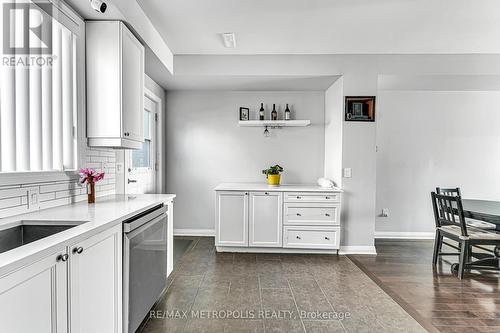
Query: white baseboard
[[272, 250], [194, 232], [357, 250], [404, 235]]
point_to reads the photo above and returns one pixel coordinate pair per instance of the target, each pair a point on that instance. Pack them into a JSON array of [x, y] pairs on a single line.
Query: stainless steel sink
[[28, 231]]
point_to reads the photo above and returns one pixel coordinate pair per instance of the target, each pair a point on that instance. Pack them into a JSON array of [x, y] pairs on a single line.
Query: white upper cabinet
[[115, 86]]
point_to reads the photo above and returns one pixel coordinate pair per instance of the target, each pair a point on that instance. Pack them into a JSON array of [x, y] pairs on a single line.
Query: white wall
[[205, 146], [434, 138], [14, 197]]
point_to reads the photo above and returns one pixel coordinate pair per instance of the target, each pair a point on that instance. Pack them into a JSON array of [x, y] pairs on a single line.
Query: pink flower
[[98, 176], [90, 175]]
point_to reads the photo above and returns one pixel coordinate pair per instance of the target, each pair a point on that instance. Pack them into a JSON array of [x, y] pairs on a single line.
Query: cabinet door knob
[[62, 257], [246, 193], [298, 214], [298, 197], [78, 250], [327, 238], [298, 237], [327, 197], [326, 214], [267, 193]]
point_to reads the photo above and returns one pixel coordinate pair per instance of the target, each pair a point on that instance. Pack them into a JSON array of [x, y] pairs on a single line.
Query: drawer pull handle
[[327, 197], [326, 214], [62, 257], [267, 193], [327, 238], [298, 237], [298, 197], [298, 214], [78, 250]]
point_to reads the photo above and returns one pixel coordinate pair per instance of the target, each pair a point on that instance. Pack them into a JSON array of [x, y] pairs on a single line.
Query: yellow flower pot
[[273, 179]]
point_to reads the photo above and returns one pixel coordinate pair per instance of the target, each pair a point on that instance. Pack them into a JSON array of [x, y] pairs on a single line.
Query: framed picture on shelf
[[359, 108], [244, 113]]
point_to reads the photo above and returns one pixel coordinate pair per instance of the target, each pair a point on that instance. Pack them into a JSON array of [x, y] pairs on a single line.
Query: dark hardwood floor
[[438, 300]]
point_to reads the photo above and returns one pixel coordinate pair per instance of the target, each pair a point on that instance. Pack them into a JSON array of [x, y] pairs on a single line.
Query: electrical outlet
[[347, 172], [33, 198], [385, 212], [119, 167]]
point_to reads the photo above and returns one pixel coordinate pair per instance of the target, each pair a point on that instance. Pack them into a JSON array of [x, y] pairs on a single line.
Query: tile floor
[[225, 292]]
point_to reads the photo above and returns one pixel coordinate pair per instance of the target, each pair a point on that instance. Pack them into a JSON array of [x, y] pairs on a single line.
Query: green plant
[[273, 170]]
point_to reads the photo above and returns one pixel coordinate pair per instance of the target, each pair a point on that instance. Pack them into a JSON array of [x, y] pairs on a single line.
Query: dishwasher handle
[[145, 226], [133, 224]]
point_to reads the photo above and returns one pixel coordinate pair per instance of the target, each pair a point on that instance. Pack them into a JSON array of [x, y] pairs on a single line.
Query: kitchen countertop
[[107, 212], [280, 188]]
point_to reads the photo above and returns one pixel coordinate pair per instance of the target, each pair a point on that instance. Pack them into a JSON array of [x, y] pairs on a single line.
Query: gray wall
[[360, 74], [433, 138], [205, 146], [334, 101]]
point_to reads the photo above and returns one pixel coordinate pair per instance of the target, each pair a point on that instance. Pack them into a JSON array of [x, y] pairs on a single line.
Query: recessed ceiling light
[[229, 39]]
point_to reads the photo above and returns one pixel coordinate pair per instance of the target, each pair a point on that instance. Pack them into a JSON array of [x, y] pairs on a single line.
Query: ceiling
[[83, 8], [250, 83], [328, 26]]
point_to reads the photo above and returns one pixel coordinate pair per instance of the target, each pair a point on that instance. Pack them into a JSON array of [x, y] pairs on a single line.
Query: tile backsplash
[[14, 199]]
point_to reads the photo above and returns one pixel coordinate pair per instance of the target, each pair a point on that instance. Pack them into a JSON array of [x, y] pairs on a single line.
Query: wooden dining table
[[488, 211], [483, 210]]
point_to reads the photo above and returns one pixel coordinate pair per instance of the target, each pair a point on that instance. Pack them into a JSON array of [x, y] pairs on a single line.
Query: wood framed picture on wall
[[244, 113], [359, 108]]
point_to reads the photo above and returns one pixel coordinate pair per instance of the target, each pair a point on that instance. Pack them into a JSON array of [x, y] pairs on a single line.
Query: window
[[142, 158], [39, 87]]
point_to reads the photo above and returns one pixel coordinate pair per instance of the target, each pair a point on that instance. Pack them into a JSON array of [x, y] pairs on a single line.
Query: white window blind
[[38, 104]]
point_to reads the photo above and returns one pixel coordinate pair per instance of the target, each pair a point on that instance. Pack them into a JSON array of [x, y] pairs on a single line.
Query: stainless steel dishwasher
[[144, 264]]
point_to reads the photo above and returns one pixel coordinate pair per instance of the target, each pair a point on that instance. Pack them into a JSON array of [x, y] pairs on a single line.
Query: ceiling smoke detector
[[229, 40]]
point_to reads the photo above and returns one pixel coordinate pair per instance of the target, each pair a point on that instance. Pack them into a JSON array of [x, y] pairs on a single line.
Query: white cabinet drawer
[[311, 214], [311, 238], [312, 197]]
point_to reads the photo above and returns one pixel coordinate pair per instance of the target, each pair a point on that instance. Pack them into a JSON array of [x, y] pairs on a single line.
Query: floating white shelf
[[274, 123]]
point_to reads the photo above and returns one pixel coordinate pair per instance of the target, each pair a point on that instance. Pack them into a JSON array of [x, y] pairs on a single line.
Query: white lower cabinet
[[277, 219], [266, 219], [95, 274], [35, 298], [231, 221], [77, 289]]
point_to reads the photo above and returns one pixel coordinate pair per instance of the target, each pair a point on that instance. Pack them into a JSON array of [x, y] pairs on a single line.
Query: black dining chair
[[450, 223], [449, 191], [470, 222]]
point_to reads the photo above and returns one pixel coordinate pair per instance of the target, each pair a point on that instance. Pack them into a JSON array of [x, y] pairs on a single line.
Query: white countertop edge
[[19, 257], [270, 188]]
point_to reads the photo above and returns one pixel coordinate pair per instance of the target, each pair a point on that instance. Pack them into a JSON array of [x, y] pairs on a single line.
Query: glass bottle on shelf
[[261, 111], [274, 113], [287, 113]]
